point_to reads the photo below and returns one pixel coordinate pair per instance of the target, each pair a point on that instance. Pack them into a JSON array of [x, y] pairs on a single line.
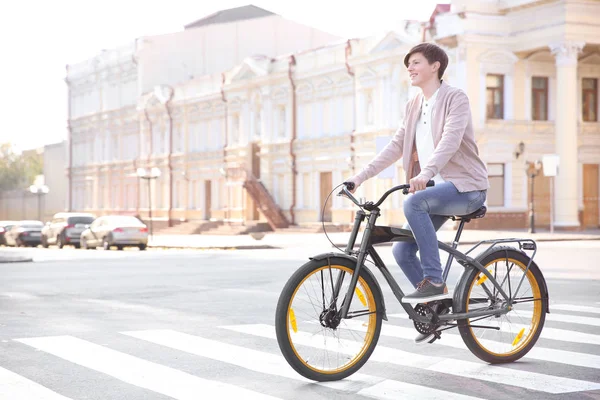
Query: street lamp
[[148, 174], [39, 190], [533, 170]]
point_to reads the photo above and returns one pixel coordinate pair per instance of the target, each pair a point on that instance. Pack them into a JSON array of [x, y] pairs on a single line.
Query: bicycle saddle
[[480, 213]]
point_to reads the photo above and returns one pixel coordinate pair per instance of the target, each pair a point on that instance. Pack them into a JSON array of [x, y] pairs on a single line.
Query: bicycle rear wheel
[[507, 337], [313, 342]]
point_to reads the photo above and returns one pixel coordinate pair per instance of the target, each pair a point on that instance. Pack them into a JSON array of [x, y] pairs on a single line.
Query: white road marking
[[136, 371], [547, 333], [465, 369], [13, 386], [453, 340], [394, 390]]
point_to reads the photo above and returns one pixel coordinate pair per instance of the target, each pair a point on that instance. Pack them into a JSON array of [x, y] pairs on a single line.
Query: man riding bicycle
[[437, 142]]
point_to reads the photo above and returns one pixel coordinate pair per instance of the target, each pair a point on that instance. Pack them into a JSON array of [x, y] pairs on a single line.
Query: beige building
[[263, 126]]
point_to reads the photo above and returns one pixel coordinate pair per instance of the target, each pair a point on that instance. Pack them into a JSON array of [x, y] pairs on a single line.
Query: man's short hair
[[432, 53]]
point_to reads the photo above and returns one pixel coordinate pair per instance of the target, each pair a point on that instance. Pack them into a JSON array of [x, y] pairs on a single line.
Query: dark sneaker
[[427, 291], [423, 338]]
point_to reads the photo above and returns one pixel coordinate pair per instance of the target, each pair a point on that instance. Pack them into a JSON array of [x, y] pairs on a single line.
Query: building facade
[[212, 119]]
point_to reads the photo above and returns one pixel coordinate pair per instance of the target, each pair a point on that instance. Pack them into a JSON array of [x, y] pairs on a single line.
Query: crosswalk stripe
[[394, 390], [465, 369], [273, 364], [572, 319], [254, 360], [453, 340], [569, 307], [547, 333], [136, 371], [14, 386]]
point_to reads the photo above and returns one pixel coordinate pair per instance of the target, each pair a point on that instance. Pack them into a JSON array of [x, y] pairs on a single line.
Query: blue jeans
[[426, 211]]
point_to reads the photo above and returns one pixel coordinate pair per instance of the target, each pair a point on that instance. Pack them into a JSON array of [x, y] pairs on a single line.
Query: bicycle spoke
[[338, 346], [517, 326]]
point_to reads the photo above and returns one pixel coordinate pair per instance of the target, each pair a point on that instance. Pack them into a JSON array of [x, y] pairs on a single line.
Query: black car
[[5, 227], [25, 233]]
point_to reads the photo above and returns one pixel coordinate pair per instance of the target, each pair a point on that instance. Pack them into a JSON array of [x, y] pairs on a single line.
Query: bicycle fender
[[367, 271]]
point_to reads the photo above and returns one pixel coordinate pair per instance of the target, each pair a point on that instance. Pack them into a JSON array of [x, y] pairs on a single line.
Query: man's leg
[[442, 199], [405, 253]]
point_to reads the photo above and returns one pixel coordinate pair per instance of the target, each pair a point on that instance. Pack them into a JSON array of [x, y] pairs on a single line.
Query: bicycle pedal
[[436, 336]]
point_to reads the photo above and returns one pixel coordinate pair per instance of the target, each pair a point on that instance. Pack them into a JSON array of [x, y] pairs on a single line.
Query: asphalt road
[[189, 324]]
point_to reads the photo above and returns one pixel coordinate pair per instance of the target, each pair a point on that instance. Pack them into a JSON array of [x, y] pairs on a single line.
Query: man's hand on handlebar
[[418, 183], [350, 186]]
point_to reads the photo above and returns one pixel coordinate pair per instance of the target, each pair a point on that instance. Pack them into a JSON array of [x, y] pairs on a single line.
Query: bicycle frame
[[374, 234]]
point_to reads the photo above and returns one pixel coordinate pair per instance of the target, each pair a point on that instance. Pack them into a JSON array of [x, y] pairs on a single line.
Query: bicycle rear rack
[[524, 244]]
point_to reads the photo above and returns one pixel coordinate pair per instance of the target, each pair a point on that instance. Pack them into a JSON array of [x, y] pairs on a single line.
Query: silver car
[[115, 230]]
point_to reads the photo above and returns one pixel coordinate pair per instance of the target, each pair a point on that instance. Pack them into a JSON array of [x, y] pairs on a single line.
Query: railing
[[261, 196]]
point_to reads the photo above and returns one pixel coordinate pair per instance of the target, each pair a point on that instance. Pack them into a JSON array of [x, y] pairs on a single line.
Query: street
[[199, 324]]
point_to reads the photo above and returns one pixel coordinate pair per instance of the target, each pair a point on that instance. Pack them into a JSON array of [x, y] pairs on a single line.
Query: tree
[[18, 171]]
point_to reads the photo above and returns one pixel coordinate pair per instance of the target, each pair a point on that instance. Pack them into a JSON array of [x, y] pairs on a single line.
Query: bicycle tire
[[524, 341], [372, 295]]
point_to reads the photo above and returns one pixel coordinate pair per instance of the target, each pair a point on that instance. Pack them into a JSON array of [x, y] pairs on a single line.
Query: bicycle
[[498, 323]]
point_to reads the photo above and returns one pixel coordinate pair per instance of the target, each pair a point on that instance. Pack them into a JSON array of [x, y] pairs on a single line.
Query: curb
[[343, 245], [15, 260], [473, 242], [259, 247]]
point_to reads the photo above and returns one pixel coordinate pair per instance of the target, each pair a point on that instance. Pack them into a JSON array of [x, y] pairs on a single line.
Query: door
[[591, 218], [207, 199], [326, 186]]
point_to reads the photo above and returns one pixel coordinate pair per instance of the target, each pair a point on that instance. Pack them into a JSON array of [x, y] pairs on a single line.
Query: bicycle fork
[[362, 255]]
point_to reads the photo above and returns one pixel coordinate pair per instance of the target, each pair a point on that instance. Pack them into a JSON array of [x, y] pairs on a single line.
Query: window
[[539, 98], [590, 99], [281, 124], [495, 96], [495, 194], [257, 124], [369, 116], [235, 128]]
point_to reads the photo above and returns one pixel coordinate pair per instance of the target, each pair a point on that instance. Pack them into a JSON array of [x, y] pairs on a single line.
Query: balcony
[[518, 127]]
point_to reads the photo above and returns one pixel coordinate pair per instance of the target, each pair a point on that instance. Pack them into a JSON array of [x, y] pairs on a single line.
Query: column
[[565, 188]]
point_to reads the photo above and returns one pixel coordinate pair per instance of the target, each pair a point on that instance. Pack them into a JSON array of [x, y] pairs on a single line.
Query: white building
[[302, 114]]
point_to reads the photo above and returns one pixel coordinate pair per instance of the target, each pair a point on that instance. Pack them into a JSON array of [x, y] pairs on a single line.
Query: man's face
[[420, 71]]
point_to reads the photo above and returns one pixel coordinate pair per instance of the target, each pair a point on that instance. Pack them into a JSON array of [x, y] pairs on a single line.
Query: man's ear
[[436, 66]]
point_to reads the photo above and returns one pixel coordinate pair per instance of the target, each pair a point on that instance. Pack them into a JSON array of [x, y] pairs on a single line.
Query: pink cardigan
[[455, 156]]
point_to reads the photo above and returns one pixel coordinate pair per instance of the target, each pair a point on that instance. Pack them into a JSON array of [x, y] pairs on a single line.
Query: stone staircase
[[190, 228], [316, 227], [261, 196]]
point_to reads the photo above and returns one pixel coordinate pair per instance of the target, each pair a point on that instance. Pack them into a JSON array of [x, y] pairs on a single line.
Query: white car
[[115, 230]]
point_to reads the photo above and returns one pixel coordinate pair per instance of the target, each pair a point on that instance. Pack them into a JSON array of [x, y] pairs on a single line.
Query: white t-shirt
[[424, 136]]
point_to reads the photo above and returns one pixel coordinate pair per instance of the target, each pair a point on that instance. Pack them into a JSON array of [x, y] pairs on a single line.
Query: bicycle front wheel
[[508, 337], [312, 338]]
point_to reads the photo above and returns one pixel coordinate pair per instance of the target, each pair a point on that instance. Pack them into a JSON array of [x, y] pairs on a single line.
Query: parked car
[[115, 230], [25, 233], [65, 228], [5, 227]]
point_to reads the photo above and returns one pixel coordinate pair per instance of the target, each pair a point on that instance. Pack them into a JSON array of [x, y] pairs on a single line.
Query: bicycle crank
[[430, 311]]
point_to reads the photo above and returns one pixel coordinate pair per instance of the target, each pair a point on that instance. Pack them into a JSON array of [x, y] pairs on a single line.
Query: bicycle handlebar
[[369, 205]]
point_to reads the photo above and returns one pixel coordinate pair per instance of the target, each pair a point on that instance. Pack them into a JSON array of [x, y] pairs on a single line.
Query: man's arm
[[454, 130], [391, 153]]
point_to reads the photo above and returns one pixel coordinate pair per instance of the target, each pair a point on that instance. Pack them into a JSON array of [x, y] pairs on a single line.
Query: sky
[[38, 38]]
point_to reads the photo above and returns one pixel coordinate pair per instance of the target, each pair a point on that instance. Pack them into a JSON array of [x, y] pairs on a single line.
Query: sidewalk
[[275, 240]]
